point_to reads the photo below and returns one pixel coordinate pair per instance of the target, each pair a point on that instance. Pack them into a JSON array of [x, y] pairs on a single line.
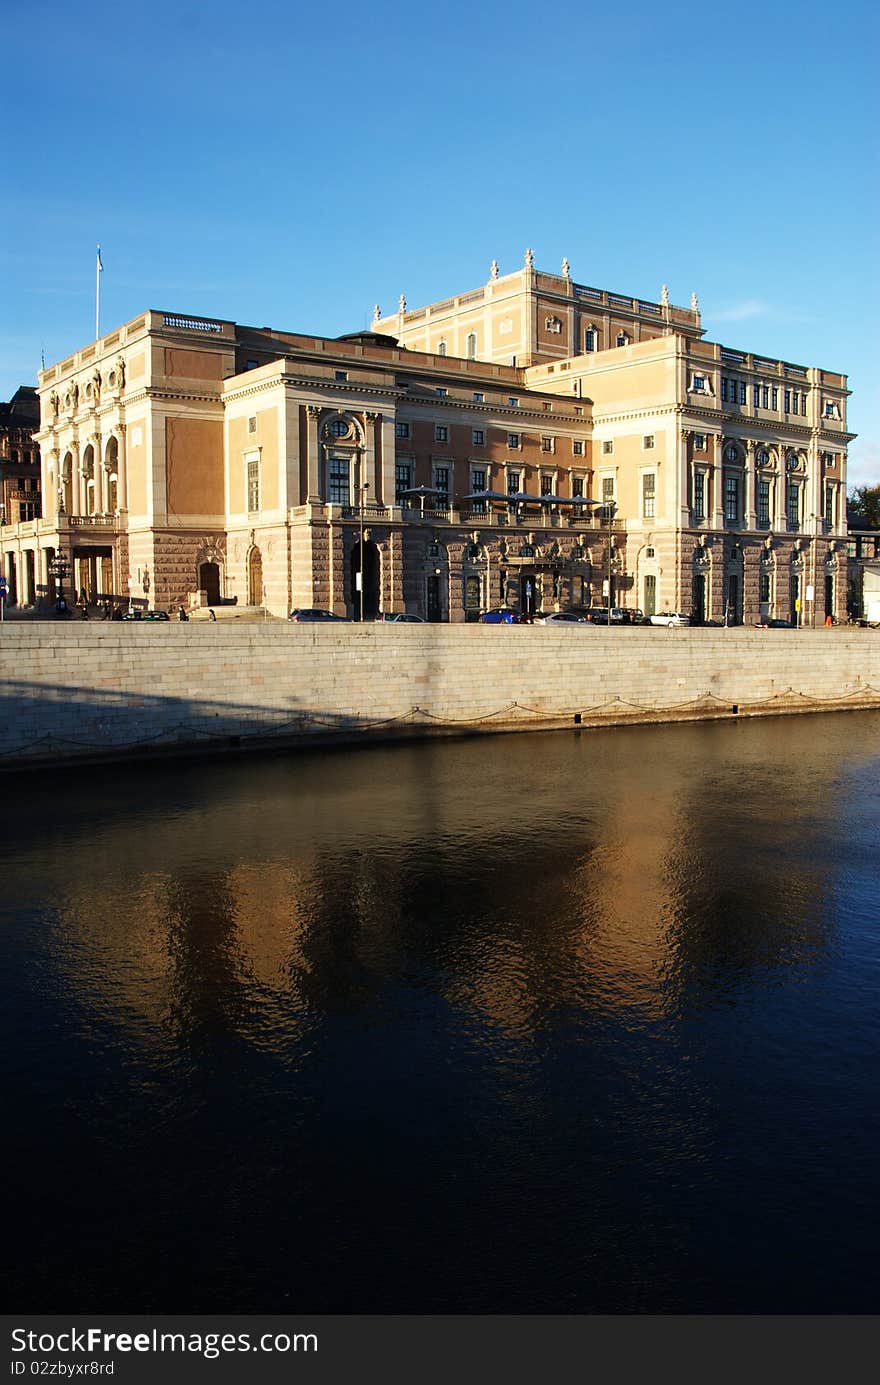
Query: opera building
[[524, 443]]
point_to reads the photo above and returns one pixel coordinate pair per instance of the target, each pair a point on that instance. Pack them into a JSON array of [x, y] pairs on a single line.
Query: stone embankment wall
[[97, 690]]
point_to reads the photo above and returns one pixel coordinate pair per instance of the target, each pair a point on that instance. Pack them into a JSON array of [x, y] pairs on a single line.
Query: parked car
[[775, 625], [311, 613], [597, 615], [559, 618], [155, 615], [499, 615], [635, 617], [670, 619], [398, 618]]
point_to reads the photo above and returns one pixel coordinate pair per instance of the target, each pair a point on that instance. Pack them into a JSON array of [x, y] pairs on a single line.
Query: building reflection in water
[[491, 931]]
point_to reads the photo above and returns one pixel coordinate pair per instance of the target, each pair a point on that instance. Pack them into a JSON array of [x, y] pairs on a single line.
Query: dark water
[[563, 1023]]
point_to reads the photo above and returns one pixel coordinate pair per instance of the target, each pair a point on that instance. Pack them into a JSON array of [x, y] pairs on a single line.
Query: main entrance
[[255, 578], [698, 615], [433, 611], [529, 592], [365, 574], [209, 582]]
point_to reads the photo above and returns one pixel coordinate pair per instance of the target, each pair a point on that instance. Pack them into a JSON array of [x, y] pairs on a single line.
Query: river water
[[576, 1022]]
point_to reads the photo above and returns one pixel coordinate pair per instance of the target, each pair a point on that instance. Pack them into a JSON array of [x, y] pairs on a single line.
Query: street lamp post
[[2, 563], [612, 510], [59, 568], [362, 492]]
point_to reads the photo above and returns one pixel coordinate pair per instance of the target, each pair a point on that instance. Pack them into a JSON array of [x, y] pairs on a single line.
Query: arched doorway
[[365, 578], [255, 577], [209, 582]]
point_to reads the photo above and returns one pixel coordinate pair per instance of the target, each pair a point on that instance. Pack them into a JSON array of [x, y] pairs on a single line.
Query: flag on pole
[[100, 263]]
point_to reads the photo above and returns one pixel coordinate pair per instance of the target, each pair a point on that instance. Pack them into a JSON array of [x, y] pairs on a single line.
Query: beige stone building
[[445, 462], [728, 468]]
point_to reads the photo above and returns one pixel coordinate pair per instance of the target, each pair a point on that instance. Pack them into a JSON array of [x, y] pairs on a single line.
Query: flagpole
[[98, 268]]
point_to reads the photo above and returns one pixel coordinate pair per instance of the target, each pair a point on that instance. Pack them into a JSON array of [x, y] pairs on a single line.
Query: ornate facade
[[452, 459]]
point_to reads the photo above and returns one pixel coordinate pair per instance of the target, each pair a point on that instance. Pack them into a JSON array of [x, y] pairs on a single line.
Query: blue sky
[[291, 165]]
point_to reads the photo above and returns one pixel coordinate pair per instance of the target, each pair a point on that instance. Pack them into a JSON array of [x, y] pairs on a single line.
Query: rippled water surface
[[558, 1023]]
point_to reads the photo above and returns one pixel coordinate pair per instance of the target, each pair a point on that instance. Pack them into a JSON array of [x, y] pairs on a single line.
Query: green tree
[[863, 505]]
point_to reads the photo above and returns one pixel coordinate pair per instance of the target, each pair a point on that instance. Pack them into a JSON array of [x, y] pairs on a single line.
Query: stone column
[[683, 501], [814, 507], [313, 413], [388, 444], [369, 457], [717, 503], [98, 468], [121, 468], [779, 500], [76, 488], [750, 516]]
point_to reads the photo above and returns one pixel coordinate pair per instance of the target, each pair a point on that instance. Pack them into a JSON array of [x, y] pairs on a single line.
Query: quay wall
[[108, 690]]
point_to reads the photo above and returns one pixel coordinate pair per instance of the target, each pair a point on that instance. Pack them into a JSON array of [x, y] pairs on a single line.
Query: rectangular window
[[794, 504], [478, 437], [803, 405], [253, 486], [577, 485], [402, 474], [699, 442], [795, 396], [441, 432], [479, 398], [724, 389], [401, 430], [774, 397], [765, 396], [339, 488], [577, 448], [764, 586], [731, 498], [786, 398], [589, 340], [513, 441], [512, 483], [700, 495], [607, 489], [546, 485], [756, 395], [441, 485], [742, 391], [648, 495], [763, 502], [252, 424], [829, 505], [608, 447], [478, 483], [648, 441], [698, 383], [342, 375], [440, 392], [548, 444], [512, 403]]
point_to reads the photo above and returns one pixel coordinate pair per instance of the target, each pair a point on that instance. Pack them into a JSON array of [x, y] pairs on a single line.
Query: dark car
[[499, 615], [399, 618], [313, 613], [597, 615], [775, 625]]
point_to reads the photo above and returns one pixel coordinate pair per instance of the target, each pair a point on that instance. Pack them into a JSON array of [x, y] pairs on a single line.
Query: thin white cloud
[[752, 307]]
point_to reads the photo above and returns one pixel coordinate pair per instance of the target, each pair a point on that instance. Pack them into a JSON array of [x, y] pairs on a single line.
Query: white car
[[670, 619], [559, 618]]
